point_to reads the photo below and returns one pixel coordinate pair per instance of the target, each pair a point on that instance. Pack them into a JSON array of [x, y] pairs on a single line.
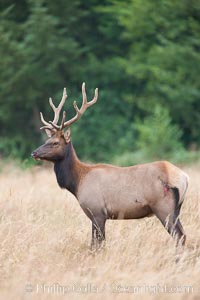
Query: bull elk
[[111, 192]]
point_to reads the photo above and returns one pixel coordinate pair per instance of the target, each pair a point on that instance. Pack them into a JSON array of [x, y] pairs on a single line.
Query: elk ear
[[67, 135]]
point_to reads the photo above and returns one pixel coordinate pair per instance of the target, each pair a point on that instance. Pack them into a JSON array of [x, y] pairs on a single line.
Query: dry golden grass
[[45, 253]]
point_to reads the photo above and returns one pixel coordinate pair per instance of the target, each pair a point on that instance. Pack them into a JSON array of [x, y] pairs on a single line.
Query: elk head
[[55, 147]]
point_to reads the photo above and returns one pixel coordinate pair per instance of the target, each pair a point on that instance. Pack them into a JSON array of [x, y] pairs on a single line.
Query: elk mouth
[[35, 156], [38, 157]]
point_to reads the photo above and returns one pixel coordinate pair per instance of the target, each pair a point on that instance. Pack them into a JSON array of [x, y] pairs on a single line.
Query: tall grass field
[[45, 246]]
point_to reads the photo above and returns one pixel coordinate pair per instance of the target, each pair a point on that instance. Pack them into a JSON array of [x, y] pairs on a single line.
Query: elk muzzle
[[35, 155], [39, 153]]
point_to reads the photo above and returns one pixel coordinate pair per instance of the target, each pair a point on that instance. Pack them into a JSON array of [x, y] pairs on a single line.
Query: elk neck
[[70, 170]]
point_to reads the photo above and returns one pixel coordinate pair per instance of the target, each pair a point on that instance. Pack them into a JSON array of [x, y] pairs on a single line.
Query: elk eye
[[55, 143]]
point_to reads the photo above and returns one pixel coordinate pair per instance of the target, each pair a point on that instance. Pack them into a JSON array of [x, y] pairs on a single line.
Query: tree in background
[[162, 61], [140, 56]]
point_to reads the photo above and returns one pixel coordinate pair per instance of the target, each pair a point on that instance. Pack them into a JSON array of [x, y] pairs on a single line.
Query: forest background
[[144, 56]]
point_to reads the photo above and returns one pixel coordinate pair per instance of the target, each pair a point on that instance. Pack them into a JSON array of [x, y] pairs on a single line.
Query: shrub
[[157, 136]]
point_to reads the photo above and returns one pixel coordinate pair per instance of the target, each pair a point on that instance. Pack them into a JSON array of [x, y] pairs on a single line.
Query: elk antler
[[79, 112], [56, 112], [84, 106]]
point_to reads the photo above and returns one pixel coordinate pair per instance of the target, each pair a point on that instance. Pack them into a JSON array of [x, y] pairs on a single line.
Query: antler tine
[[63, 120], [58, 109], [84, 106], [43, 121], [84, 102], [53, 124], [59, 127], [94, 100]]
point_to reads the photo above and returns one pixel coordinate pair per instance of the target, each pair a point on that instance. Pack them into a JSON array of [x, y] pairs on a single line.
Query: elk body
[[110, 192]]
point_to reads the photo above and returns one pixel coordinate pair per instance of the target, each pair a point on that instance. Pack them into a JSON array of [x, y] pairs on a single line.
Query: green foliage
[[157, 136], [141, 57], [163, 58]]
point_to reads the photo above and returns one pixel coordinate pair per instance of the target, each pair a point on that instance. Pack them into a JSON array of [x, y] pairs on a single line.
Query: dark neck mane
[[67, 170]]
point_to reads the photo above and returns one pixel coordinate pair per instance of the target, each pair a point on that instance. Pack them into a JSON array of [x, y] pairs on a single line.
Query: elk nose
[[34, 154]]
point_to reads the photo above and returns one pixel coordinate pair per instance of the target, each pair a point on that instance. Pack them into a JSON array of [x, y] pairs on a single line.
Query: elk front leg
[[98, 233]]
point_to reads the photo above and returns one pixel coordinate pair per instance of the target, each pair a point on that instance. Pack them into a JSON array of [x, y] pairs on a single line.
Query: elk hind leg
[[167, 211]]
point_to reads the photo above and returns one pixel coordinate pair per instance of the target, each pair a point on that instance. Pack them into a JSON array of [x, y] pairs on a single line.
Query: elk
[[111, 192]]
